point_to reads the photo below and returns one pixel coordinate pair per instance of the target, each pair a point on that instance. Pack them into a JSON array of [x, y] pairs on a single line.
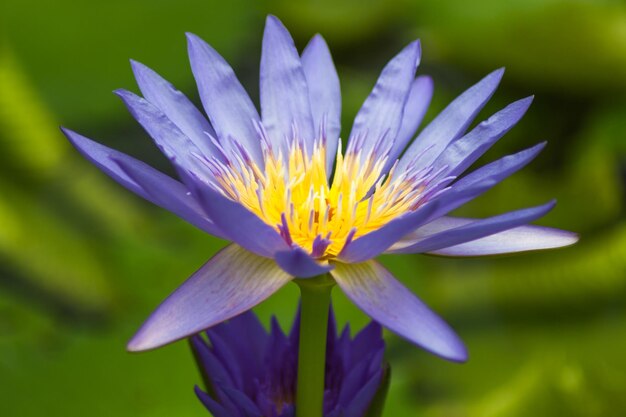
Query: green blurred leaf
[[574, 47]]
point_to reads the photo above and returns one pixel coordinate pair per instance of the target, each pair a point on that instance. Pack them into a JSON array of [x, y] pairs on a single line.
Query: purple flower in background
[[249, 372], [279, 186]]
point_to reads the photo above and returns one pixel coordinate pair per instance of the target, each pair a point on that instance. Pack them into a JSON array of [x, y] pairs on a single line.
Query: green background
[[83, 262]]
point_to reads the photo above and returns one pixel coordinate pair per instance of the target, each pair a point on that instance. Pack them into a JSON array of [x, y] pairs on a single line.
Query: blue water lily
[[280, 186], [249, 372]]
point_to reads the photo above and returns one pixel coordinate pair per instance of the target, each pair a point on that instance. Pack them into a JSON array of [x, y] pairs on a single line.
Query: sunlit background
[[83, 261]]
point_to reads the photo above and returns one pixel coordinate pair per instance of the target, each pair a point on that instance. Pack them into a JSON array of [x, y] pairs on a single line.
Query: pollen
[[294, 194]]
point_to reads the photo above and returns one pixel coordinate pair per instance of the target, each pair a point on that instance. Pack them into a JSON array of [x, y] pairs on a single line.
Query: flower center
[[294, 195]]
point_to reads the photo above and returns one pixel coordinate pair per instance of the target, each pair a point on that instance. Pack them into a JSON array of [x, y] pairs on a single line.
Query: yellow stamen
[[297, 187]]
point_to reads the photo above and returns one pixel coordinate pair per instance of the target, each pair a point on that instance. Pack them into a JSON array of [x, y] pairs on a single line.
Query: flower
[[250, 372], [280, 187]]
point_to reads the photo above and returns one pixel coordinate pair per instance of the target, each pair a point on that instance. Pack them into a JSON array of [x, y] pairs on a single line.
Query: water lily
[[250, 372], [296, 205]]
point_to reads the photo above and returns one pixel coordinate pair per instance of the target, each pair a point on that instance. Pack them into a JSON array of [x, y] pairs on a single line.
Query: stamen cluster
[[293, 193]]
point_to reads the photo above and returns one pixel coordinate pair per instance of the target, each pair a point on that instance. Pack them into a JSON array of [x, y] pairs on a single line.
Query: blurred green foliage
[[83, 262]]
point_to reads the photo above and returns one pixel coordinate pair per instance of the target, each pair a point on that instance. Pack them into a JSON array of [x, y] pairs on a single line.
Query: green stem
[[315, 296]]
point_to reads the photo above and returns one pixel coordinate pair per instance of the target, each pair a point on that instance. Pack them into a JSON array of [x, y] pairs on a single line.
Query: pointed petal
[[370, 338], [375, 291], [239, 334], [298, 263], [481, 180], [374, 243], [324, 93], [244, 403], [177, 201], [450, 123], [500, 169], [212, 370], [360, 402], [233, 281], [213, 406], [352, 381], [465, 151], [176, 107], [169, 194], [227, 104], [171, 141], [236, 222], [414, 110], [451, 236], [518, 239], [379, 119], [224, 353], [283, 89]]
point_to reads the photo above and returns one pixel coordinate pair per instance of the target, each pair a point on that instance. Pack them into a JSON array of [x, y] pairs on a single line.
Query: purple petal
[[232, 282], [167, 136], [465, 151], [414, 110], [360, 402], [163, 191], [450, 123], [169, 194], [482, 180], [283, 89], [450, 236], [227, 104], [376, 242], [213, 369], [462, 191], [213, 406], [243, 402], [324, 93], [375, 291], [298, 263], [368, 339], [178, 108], [378, 121], [500, 169], [237, 222], [518, 239], [224, 353], [239, 333], [352, 382]]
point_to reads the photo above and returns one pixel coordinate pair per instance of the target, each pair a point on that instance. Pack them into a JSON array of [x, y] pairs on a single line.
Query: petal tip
[[194, 41], [525, 102], [138, 344], [275, 30], [570, 238], [67, 132], [76, 139], [318, 38], [141, 70], [495, 77], [135, 64], [272, 19], [453, 349], [459, 356], [122, 93]]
